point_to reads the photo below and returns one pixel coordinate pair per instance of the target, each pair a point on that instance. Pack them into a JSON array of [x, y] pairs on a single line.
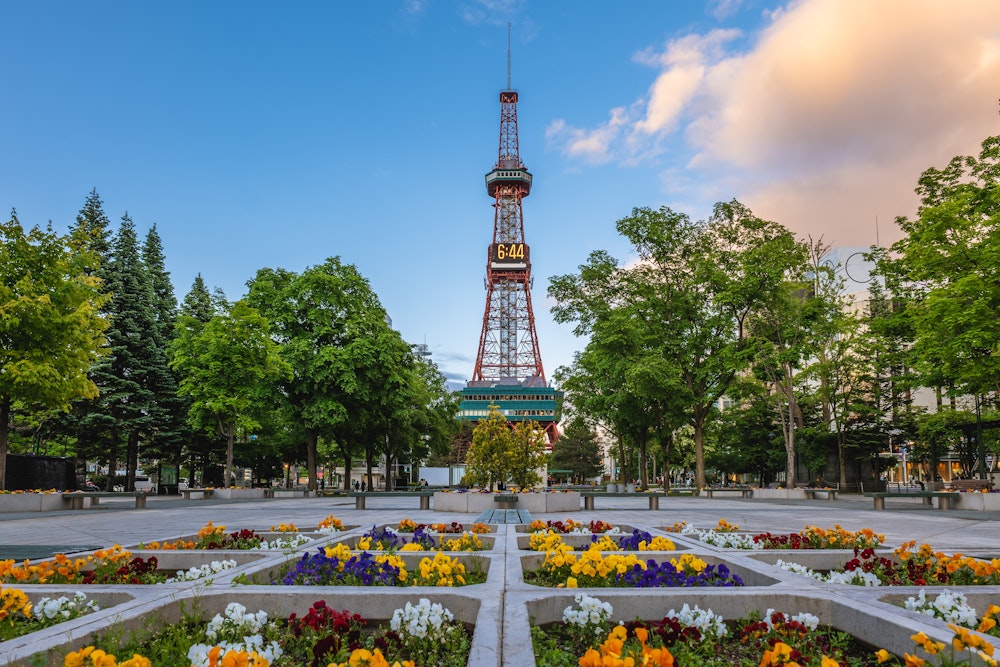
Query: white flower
[[203, 571], [951, 607], [64, 607], [422, 620], [705, 620], [592, 611], [727, 540], [855, 578]]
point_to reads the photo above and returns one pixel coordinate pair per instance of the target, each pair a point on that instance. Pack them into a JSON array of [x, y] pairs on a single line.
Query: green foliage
[[225, 365], [51, 329], [499, 454], [347, 363], [577, 449], [683, 307], [488, 458], [945, 270]]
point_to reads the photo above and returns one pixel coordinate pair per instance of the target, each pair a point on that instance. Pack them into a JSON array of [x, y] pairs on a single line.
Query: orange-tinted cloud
[[827, 120]]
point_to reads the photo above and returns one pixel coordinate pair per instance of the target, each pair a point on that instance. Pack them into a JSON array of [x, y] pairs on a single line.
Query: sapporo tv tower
[[508, 370]]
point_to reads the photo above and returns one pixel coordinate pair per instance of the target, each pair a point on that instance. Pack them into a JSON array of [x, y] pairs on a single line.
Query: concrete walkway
[[504, 607], [117, 522]]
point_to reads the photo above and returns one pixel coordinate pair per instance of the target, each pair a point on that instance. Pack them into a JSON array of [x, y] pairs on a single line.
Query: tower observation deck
[[508, 371]]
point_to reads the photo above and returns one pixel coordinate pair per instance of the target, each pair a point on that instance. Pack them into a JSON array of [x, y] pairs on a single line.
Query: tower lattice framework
[[508, 345]]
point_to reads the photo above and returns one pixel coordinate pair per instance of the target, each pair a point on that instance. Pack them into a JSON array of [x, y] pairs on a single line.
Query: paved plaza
[[503, 608], [116, 522]]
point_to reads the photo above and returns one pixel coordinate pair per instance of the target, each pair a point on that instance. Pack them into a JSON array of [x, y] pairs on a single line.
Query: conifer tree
[[128, 376], [167, 436]]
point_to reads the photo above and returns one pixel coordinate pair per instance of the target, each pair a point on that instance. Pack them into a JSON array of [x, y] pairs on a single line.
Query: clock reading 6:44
[[508, 252]]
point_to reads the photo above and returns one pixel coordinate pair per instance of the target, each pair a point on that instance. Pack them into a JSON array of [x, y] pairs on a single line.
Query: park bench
[[744, 491], [831, 494], [504, 516], [361, 496], [654, 497], [944, 497], [197, 493], [75, 498]]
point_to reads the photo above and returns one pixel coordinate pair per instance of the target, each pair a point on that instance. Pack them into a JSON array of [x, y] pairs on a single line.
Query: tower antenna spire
[[508, 55]]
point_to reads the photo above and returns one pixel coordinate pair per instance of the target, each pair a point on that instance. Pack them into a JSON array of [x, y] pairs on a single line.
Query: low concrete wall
[[233, 494], [972, 500], [32, 502], [779, 494], [475, 502]]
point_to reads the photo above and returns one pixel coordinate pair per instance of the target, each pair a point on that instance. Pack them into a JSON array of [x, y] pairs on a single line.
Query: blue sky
[[261, 134]]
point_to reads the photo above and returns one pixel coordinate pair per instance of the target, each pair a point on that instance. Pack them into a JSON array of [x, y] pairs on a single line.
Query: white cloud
[[829, 117]]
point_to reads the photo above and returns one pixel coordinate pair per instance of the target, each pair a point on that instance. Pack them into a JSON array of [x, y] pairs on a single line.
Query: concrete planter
[[779, 494], [866, 621], [376, 604], [474, 503], [971, 500], [234, 494], [31, 502]]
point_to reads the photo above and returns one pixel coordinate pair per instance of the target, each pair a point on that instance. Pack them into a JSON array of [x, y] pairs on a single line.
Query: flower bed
[[118, 566], [411, 526], [212, 537], [923, 567], [560, 567], [868, 626], [728, 536], [388, 539], [638, 540], [585, 635], [185, 631], [338, 565]]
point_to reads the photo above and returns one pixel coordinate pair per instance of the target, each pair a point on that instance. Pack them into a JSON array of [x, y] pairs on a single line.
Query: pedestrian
[[362, 486]]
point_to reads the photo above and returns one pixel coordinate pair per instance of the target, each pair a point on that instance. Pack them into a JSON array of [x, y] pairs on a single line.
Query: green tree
[[223, 364], [527, 454], [168, 434], [321, 318], [51, 329], [579, 451], [946, 267], [693, 288], [488, 459]]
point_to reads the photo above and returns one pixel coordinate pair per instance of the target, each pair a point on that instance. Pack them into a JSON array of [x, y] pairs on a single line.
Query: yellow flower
[[571, 582], [882, 655]]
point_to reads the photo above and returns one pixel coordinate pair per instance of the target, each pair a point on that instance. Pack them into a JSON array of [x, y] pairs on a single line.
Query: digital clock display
[[509, 255]]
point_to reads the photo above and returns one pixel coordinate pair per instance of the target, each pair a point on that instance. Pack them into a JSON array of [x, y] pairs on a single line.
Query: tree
[[168, 434], [223, 365], [322, 320], [136, 363], [693, 287], [527, 454], [579, 451], [51, 329], [946, 268], [488, 458]]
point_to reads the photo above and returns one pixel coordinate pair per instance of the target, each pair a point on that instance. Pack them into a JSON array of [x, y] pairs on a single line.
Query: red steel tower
[[508, 345], [508, 371]]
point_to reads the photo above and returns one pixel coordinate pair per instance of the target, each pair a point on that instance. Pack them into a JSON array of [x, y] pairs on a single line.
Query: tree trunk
[[312, 437], [390, 472], [131, 460], [228, 474], [4, 435], [700, 414], [348, 464]]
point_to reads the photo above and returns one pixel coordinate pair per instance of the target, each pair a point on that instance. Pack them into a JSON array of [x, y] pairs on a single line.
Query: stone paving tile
[[116, 522]]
